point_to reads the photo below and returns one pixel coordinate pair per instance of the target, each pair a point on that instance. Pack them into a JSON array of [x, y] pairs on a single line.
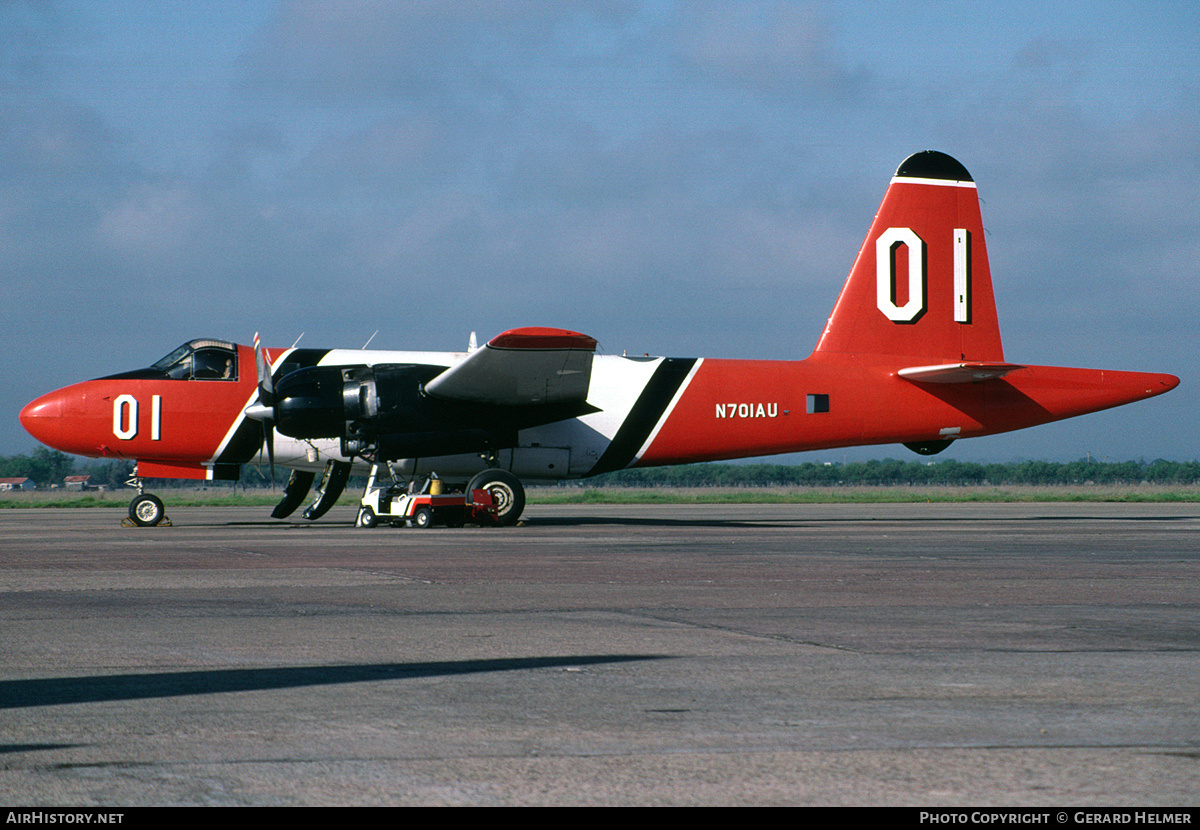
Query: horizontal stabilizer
[[521, 367], [957, 372]]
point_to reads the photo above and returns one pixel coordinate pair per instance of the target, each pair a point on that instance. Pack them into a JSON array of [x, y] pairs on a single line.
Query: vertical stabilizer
[[921, 288]]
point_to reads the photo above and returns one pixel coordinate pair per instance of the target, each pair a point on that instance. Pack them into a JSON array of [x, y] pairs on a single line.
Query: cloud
[[778, 47], [364, 51], [1042, 54]]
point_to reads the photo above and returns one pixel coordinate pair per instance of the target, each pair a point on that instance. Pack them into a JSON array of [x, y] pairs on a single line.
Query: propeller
[[264, 410]]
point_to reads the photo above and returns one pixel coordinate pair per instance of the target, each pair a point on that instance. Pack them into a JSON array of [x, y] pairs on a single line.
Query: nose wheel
[[145, 510], [148, 511]]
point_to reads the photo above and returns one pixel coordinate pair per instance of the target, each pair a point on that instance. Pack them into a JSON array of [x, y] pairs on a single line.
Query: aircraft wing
[[521, 367], [957, 372]]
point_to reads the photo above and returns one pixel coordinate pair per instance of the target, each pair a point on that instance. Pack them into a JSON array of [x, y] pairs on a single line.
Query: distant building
[[78, 483], [17, 484]]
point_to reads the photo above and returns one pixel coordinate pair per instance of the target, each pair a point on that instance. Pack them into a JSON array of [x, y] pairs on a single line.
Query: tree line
[[889, 472], [48, 468], [45, 467]]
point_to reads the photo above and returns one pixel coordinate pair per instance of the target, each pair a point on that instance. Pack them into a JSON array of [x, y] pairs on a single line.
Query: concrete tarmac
[[927, 655]]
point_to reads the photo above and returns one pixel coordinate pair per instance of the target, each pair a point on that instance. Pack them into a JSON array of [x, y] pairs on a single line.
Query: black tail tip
[[930, 164]]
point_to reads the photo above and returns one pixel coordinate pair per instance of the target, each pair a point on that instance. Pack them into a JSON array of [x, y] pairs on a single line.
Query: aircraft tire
[[146, 510], [506, 489]]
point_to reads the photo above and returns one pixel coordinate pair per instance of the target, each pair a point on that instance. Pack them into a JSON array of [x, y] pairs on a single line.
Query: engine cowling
[[384, 408]]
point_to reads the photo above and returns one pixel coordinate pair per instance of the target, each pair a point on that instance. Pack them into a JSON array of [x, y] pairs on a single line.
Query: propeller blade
[[266, 386], [269, 434], [264, 410]]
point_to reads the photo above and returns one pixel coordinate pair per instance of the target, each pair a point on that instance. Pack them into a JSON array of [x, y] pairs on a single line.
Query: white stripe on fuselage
[[362, 357], [670, 408]]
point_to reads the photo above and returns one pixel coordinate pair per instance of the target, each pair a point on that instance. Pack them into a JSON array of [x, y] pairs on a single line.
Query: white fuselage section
[[551, 452]]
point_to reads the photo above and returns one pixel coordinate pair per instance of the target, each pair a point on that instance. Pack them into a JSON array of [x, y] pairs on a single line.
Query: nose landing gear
[[145, 510]]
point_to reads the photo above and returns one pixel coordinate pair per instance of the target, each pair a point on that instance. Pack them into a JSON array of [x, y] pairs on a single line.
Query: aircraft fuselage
[[648, 411]]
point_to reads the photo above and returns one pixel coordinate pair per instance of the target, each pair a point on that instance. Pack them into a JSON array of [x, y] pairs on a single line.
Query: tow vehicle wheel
[[506, 490], [367, 518], [146, 510], [423, 518]]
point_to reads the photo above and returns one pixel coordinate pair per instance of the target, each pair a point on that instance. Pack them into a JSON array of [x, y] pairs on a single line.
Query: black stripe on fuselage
[[645, 414], [247, 439]]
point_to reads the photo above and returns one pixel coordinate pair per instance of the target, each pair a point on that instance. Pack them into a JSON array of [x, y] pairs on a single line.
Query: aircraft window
[[215, 364], [178, 364], [818, 403]]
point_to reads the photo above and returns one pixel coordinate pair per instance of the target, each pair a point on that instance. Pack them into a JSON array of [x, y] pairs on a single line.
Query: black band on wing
[[645, 414]]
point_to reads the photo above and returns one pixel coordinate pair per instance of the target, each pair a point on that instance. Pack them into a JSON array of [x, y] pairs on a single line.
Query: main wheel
[[146, 510], [423, 517], [507, 491]]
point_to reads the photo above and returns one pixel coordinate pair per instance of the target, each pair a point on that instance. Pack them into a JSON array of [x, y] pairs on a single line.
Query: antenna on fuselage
[[369, 339]]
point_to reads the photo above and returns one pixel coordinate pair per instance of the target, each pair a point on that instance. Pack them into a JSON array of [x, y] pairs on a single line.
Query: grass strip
[[670, 495]]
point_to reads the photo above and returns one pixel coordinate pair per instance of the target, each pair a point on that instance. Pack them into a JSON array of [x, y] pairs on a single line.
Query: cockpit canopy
[[200, 360], [195, 360]]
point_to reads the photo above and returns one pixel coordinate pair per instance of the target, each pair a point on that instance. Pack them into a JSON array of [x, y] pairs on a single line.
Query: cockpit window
[[177, 364], [213, 364], [200, 360]]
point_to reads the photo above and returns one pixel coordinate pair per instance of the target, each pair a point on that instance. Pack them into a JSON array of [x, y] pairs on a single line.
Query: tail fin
[[920, 288]]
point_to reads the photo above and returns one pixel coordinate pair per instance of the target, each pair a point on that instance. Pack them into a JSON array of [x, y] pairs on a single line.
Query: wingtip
[[539, 337]]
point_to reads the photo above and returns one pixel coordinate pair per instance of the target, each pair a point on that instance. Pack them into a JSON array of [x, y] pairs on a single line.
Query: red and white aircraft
[[911, 354]]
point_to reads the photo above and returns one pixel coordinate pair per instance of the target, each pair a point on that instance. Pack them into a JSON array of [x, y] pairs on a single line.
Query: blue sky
[[676, 178]]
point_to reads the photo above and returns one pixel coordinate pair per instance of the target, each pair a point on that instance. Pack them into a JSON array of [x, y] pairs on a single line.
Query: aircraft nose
[[43, 419]]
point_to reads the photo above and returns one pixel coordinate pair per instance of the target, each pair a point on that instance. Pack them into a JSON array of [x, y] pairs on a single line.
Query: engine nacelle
[[308, 403], [347, 401], [384, 408]]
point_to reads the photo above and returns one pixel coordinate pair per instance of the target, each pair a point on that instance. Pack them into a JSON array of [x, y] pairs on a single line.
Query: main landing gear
[[507, 492]]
